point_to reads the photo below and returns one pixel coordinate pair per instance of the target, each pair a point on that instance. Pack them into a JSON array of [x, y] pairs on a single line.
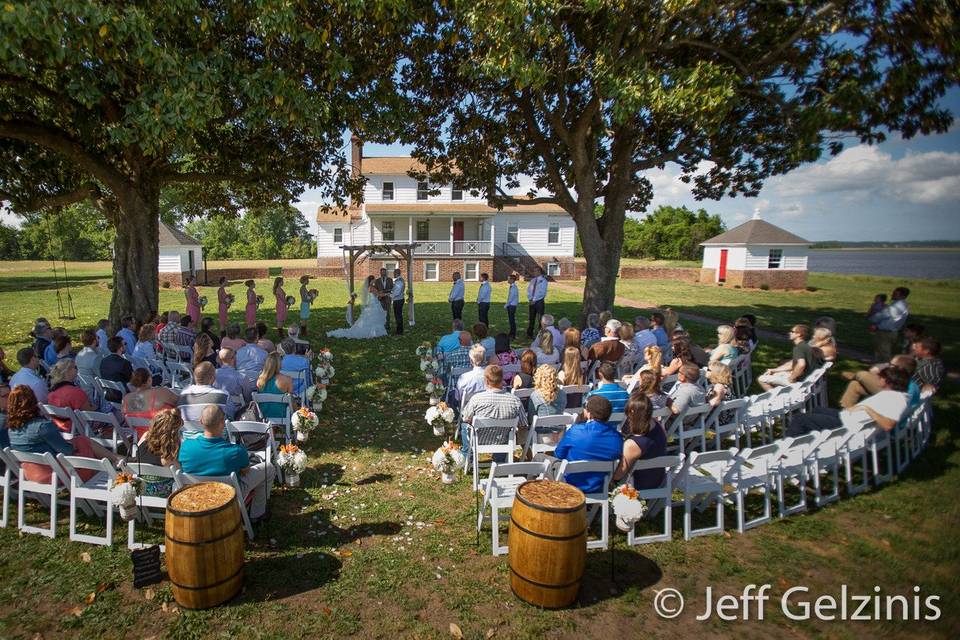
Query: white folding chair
[[793, 469], [689, 428], [575, 391], [755, 472], [181, 375], [118, 433], [46, 492], [93, 491], [544, 434], [658, 500], [488, 435], [149, 508], [301, 380], [284, 422], [256, 437], [597, 501], [617, 419], [8, 482], [755, 419], [827, 460], [185, 479], [499, 489], [702, 481], [725, 422], [65, 413], [879, 441], [116, 387]]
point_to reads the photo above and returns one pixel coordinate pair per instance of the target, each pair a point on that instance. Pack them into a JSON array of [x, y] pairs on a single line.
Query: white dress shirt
[[537, 289], [398, 287], [484, 294], [457, 292], [513, 296]]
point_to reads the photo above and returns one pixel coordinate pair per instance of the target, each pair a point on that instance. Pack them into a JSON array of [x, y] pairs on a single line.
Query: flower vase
[[448, 478], [625, 524], [291, 479], [324, 381], [301, 436], [438, 430], [434, 400], [128, 511]]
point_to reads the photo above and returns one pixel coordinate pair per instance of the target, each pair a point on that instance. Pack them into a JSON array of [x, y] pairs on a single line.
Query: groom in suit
[[384, 285]]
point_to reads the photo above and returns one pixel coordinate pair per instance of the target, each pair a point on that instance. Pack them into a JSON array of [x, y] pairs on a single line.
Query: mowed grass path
[[374, 546]]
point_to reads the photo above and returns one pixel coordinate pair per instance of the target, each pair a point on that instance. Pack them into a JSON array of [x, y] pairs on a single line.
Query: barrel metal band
[[540, 584], [202, 542], [208, 586], [545, 536]]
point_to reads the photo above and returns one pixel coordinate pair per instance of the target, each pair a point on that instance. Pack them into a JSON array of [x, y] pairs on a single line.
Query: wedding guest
[[609, 349], [263, 341], [206, 329], [193, 398], [146, 342], [272, 381], [648, 385], [725, 352], [102, 336], [603, 319], [804, 361], [546, 353], [251, 357], [222, 304], [528, 366], [481, 337], [493, 402], [571, 372], [572, 338], [930, 370], [4, 435], [49, 355], [595, 439], [513, 301], [300, 347], [43, 336], [281, 298], [146, 400], [127, 325], [233, 339], [505, 355], [212, 455], [643, 336], [607, 388], [252, 304], [459, 357], [115, 367], [161, 446], [229, 379], [203, 350], [471, 382], [450, 341], [699, 354], [168, 335], [626, 334], [63, 347], [824, 346], [646, 439], [483, 299], [456, 296], [546, 324], [741, 338], [879, 302], [721, 388], [296, 363], [547, 399], [749, 322], [888, 322], [686, 393], [590, 334], [536, 299], [911, 331], [866, 383], [663, 340], [185, 334], [65, 393]]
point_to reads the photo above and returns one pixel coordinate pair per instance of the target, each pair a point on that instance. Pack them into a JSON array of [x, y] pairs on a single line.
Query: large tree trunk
[[136, 283], [602, 243]]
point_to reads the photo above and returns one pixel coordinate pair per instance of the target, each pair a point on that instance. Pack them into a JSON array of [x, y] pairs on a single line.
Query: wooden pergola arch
[[400, 250]]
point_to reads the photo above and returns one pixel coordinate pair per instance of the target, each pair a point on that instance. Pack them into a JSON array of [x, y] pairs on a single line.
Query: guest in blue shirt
[[594, 439], [450, 341], [616, 395], [481, 336], [483, 299], [129, 337], [292, 362], [663, 341]]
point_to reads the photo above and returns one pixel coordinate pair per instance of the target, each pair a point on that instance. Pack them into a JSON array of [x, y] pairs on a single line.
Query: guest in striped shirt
[[494, 402], [616, 395]]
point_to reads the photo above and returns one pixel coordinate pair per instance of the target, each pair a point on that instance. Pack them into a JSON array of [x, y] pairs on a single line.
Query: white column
[[493, 230], [451, 235], [410, 229]]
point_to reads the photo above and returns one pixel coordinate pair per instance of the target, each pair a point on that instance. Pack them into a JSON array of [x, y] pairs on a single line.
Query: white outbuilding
[[755, 254], [180, 255]]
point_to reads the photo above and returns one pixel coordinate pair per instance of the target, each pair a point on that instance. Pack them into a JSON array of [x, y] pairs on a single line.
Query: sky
[[898, 190]]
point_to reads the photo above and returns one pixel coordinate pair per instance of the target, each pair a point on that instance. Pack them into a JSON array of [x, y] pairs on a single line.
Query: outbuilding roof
[[756, 231], [170, 236]]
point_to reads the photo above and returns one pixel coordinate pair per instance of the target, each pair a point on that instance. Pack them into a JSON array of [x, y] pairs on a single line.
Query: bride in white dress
[[372, 321]]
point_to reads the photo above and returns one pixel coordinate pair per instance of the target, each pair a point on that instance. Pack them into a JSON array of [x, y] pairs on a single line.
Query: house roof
[[756, 231], [389, 165], [338, 214], [440, 208], [170, 236]]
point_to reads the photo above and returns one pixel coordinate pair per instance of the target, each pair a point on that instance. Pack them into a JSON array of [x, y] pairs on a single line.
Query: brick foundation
[[498, 267], [773, 278], [680, 274]]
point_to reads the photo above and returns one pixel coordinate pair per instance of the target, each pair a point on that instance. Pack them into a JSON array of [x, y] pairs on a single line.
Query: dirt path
[[762, 333]]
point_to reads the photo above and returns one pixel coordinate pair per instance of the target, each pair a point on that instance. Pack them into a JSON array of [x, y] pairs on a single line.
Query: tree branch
[[86, 191], [562, 194]]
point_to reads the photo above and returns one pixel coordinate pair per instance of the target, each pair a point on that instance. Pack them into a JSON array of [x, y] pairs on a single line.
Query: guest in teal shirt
[[211, 454]]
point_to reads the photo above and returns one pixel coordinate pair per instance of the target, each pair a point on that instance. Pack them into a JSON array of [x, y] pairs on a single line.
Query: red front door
[[722, 272], [457, 230]]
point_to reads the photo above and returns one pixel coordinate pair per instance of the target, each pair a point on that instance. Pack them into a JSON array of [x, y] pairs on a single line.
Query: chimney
[[356, 163], [756, 213]]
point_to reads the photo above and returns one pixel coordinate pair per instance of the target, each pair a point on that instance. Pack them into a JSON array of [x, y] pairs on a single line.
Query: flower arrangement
[[259, 300], [436, 389], [290, 300], [312, 295], [425, 349], [230, 299], [325, 355], [293, 461], [446, 459], [304, 421], [627, 506], [124, 490], [325, 370], [316, 396], [202, 301], [429, 366], [439, 416]]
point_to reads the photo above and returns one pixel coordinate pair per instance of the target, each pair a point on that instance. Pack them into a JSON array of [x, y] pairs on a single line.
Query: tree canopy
[[269, 232], [670, 233], [238, 104], [586, 97]]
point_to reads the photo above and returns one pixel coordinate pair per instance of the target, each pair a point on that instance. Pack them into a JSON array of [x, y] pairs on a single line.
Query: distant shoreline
[[953, 249]]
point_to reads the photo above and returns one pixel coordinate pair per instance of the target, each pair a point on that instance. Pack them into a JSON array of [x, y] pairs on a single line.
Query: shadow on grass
[[630, 570], [46, 283], [273, 577]]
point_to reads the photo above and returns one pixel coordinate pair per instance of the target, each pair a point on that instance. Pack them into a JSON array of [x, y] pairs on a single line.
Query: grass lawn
[[373, 545]]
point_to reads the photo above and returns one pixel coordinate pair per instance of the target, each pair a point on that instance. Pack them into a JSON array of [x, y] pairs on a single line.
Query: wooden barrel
[[548, 543], [204, 540]]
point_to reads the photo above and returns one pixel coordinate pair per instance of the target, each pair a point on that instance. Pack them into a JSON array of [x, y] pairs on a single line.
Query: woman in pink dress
[[222, 304], [193, 300], [281, 297], [251, 303]]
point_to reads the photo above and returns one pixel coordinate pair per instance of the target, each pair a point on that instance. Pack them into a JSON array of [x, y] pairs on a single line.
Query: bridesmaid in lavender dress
[[193, 300], [222, 304], [251, 303], [281, 297]]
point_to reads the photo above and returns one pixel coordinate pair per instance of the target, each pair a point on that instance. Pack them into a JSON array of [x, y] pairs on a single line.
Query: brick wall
[[773, 278], [681, 274], [708, 276]]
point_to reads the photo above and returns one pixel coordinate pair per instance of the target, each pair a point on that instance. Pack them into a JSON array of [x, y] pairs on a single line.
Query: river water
[[935, 265]]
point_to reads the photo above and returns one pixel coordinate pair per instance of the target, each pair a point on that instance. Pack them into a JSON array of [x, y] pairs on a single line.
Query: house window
[[775, 259], [471, 271], [386, 227], [390, 266], [431, 272], [423, 189], [553, 233], [553, 268], [337, 235], [423, 229], [513, 233], [456, 194], [387, 191]]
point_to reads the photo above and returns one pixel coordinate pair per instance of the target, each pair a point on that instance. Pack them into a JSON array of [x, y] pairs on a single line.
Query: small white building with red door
[[455, 230], [755, 254]]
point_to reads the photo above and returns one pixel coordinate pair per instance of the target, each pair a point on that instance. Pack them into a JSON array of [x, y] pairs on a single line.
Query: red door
[[722, 272], [457, 230]]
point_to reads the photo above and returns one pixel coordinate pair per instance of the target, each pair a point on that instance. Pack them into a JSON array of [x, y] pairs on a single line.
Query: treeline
[[669, 233], [80, 233], [906, 244]]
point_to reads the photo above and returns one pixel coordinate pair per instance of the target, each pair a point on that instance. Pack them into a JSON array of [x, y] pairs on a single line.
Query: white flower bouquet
[[230, 299], [290, 300], [435, 388], [316, 396], [312, 295], [429, 366], [325, 355], [304, 422], [202, 301], [259, 300], [425, 349], [446, 459], [324, 372], [627, 506], [124, 490], [439, 416], [293, 461]]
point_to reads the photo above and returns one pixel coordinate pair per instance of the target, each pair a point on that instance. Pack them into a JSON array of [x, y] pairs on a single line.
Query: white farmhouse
[[754, 254], [180, 255], [455, 230]]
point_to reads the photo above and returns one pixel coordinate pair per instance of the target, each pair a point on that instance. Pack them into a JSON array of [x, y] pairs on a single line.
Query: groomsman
[[513, 301], [396, 294], [483, 299], [456, 296], [536, 296]]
